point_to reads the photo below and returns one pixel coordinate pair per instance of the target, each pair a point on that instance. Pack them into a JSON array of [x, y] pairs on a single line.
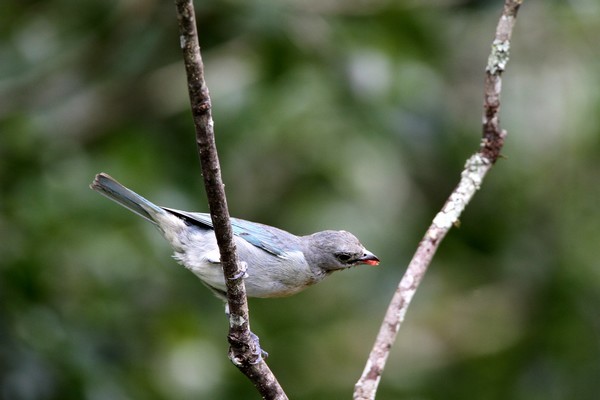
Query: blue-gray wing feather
[[268, 238]]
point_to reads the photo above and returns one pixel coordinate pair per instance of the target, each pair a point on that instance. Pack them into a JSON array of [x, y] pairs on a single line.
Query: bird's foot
[[242, 273], [239, 356], [257, 350]]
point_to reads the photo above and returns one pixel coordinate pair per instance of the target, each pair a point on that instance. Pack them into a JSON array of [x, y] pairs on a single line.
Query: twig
[[475, 170], [244, 351]]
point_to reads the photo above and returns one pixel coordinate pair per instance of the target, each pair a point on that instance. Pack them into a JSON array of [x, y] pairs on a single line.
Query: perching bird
[[277, 262]]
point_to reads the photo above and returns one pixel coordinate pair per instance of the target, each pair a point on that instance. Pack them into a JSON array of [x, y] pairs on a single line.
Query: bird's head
[[335, 250]]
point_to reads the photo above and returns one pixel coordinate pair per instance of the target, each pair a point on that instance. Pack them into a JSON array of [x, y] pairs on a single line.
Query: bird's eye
[[343, 257]]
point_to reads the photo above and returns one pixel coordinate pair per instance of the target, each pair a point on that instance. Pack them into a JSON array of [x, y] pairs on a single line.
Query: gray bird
[[277, 262]]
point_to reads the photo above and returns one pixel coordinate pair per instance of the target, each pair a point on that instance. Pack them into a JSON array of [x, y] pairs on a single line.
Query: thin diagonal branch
[[472, 176], [243, 351]]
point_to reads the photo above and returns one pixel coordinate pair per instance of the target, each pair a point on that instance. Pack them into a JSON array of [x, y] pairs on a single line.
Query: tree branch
[[244, 351], [472, 176]]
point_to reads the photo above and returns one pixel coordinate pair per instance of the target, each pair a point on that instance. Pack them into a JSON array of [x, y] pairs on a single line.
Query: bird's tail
[[107, 186]]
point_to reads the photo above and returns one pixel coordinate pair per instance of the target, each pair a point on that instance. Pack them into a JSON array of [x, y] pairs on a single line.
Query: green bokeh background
[[340, 114]]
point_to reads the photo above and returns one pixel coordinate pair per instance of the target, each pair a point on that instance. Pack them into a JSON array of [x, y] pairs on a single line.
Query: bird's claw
[[257, 350], [257, 354], [243, 272]]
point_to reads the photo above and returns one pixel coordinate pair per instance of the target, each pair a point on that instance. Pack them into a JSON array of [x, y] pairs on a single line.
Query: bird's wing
[[259, 235]]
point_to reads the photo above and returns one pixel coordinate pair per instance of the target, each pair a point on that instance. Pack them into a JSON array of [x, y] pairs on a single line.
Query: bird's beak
[[369, 259]]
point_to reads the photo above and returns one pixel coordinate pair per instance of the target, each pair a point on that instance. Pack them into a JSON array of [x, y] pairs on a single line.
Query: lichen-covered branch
[[244, 351], [472, 176]]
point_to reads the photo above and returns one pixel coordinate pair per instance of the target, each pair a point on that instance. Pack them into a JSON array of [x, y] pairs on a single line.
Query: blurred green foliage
[[329, 114]]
